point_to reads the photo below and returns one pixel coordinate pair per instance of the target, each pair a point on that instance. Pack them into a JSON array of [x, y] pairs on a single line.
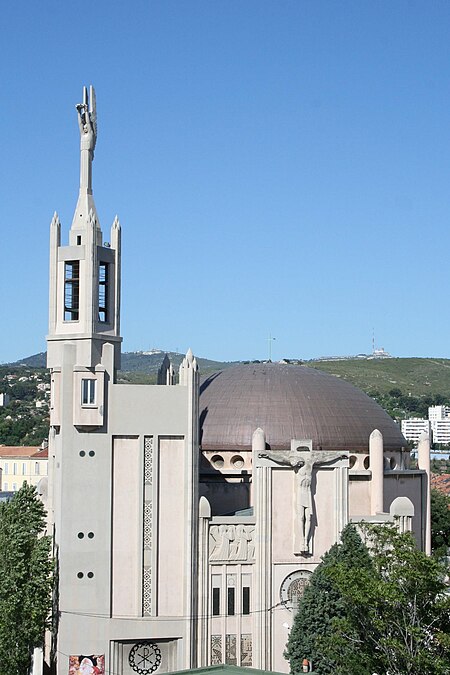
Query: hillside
[[403, 387], [415, 377], [134, 362], [412, 376]]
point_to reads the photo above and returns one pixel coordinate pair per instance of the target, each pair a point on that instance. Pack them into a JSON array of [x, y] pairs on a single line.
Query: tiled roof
[[23, 452], [441, 482]]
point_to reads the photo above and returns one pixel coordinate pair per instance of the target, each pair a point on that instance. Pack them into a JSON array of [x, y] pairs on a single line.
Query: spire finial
[[87, 122]]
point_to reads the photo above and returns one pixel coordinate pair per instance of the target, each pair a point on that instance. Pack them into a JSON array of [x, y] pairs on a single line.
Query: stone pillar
[[262, 485], [377, 469], [203, 582], [189, 377], [341, 497], [424, 464]]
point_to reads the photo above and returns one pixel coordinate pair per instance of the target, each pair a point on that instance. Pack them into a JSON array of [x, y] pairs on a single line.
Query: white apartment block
[[438, 412], [414, 427], [441, 431], [437, 425]]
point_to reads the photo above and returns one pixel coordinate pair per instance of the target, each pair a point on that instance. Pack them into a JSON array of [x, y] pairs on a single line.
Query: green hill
[[415, 377], [403, 387]]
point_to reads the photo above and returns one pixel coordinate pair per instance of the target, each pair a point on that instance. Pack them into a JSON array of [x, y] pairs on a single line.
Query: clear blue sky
[[277, 166]]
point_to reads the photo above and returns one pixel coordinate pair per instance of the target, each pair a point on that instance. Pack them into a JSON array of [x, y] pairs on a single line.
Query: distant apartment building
[[439, 416], [4, 400], [438, 412], [414, 427], [19, 464], [437, 425]]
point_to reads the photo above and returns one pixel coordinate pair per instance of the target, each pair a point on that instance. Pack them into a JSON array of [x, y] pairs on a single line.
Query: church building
[[187, 516]]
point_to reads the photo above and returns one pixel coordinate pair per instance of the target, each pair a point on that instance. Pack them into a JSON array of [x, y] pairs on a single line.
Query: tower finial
[[87, 121]]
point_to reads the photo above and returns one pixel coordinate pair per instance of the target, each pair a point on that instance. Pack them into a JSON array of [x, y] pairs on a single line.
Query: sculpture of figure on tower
[[87, 121], [303, 460]]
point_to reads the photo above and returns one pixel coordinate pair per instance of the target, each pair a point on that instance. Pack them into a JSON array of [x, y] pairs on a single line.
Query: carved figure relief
[[231, 542], [303, 460], [216, 650], [246, 649], [231, 650]]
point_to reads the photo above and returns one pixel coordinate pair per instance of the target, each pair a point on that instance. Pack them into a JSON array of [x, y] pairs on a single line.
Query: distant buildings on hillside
[[437, 426], [378, 353]]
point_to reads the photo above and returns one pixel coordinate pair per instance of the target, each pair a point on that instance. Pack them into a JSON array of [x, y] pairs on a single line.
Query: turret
[[85, 275]]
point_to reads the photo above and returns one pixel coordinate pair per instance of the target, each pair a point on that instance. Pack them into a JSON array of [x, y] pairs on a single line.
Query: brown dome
[[289, 402]]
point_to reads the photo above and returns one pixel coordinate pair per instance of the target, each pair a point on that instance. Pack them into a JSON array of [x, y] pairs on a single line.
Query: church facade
[[187, 516]]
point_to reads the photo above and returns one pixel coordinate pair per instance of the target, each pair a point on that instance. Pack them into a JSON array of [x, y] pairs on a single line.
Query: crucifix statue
[[303, 460]]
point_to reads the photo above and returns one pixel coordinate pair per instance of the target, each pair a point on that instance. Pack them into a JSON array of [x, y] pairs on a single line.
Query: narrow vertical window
[[37, 469], [15, 469], [72, 290], [246, 600], [6, 467], [103, 292], [24, 469], [88, 392], [216, 601], [230, 601]]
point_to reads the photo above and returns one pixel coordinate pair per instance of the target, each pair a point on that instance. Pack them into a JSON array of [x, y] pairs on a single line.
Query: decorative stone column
[[204, 513], [377, 468], [424, 464], [262, 482]]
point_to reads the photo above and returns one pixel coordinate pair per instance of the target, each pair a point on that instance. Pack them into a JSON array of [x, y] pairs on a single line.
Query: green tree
[[321, 604], [440, 523], [25, 580], [400, 608], [387, 612]]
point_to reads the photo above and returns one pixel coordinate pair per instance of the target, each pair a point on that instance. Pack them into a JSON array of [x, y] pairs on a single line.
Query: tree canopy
[[25, 580], [322, 603], [384, 612], [440, 523]]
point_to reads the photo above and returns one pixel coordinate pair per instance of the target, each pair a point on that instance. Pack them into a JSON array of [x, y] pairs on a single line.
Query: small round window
[[237, 461], [217, 461]]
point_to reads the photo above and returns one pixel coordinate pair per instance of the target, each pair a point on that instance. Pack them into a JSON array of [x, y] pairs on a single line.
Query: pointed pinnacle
[[55, 220], [116, 223]]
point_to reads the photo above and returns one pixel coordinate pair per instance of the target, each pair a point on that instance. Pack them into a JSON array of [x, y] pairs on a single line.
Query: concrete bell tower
[[85, 275]]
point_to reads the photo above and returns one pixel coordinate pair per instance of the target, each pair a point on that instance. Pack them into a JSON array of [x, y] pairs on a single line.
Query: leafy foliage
[[21, 423], [321, 604], [25, 580], [392, 615], [440, 523]]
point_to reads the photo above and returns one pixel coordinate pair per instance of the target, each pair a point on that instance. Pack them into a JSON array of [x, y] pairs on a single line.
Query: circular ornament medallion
[[293, 587], [145, 658]]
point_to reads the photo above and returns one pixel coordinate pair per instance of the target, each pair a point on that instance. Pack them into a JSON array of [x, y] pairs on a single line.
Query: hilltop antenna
[[373, 340], [270, 339]]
